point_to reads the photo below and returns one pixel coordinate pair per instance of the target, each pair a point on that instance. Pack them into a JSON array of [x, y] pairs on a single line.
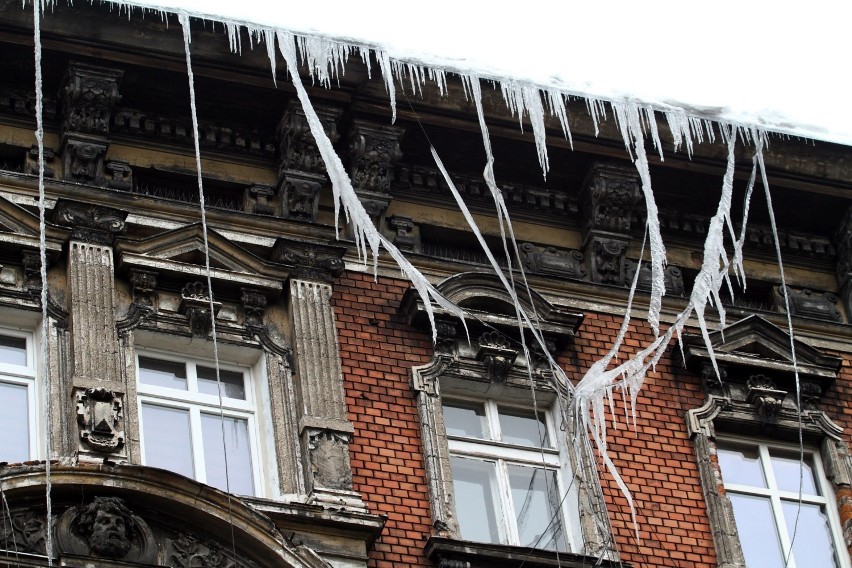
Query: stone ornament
[[106, 528], [310, 261], [329, 458], [23, 532], [496, 352], [195, 305], [100, 419]]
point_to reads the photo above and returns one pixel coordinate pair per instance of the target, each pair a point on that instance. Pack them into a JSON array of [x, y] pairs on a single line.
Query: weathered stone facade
[[343, 385]]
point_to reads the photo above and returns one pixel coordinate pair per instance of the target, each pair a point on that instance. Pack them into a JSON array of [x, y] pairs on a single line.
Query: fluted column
[[97, 382], [324, 430]]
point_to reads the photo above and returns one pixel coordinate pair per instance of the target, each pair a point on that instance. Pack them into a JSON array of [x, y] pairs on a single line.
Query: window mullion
[[493, 418], [509, 526], [197, 444]]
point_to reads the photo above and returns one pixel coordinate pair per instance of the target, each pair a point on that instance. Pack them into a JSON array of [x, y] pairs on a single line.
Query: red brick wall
[[377, 350], [656, 458]]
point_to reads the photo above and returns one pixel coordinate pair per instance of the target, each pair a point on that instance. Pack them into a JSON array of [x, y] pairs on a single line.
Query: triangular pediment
[[756, 343], [181, 253], [186, 246], [19, 228]]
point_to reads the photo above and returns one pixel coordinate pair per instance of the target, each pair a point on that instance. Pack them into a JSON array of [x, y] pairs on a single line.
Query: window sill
[[448, 552]]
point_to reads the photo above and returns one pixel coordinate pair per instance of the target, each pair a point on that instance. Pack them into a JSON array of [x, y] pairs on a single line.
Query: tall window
[[505, 474], [184, 428], [17, 392], [762, 481]]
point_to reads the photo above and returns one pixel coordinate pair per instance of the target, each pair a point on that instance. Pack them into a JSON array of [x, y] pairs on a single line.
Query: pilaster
[[324, 429], [97, 383]]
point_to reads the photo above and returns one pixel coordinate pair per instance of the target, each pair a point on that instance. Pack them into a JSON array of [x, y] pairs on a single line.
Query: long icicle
[[184, 22], [42, 252], [366, 233]]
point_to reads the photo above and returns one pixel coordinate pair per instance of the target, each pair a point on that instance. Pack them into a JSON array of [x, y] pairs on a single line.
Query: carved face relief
[[107, 524]]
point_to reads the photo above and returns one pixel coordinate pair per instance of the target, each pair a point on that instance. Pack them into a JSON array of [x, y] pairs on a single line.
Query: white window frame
[[26, 376], [825, 499], [502, 454], [196, 403]]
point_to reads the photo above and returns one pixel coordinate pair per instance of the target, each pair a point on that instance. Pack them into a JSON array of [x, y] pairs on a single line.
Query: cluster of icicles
[[586, 402]]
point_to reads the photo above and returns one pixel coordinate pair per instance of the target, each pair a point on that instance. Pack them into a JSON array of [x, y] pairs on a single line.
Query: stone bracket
[[195, 305]]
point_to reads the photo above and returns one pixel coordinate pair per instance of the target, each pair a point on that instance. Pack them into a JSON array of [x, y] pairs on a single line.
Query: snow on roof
[[746, 63]]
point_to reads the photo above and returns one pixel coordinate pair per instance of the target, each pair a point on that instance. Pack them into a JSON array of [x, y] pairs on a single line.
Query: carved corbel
[[100, 418], [300, 195], [606, 258], [309, 261], [373, 152], [144, 285], [119, 175], [254, 304], [496, 352], [672, 277], [31, 260], [195, 305], [765, 398], [297, 149], [610, 198], [88, 97]]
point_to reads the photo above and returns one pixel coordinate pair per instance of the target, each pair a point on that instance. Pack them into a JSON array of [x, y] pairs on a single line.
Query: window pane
[[167, 440], [475, 487], [463, 419], [813, 545], [233, 382], [159, 373], [14, 423], [523, 427], [741, 465], [239, 453], [757, 530], [786, 469], [13, 350], [536, 500]]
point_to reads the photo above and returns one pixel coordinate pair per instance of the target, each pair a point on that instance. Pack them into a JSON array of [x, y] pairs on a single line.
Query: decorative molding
[[808, 303], [564, 263], [100, 418], [309, 261]]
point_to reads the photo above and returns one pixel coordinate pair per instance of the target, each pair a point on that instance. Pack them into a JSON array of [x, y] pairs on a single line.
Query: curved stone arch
[[169, 503]]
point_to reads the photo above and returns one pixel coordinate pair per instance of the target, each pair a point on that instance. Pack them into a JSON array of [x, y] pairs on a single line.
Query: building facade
[[242, 389]]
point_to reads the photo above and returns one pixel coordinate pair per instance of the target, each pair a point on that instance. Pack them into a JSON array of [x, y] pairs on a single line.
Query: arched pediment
[[484, 299], [165, 519]]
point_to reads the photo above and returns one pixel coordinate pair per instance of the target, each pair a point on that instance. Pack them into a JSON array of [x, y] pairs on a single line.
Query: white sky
[[784, 68]]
